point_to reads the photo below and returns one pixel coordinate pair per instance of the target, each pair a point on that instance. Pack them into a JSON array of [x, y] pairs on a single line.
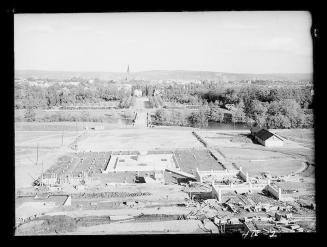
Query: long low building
[[266, 138]]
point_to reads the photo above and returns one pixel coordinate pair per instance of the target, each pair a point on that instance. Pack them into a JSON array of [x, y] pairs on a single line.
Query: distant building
[[230, 106], [137, 93], [49, 179], [127, 74], [266, 138], [124, 87], [74, 83], [32, 83]]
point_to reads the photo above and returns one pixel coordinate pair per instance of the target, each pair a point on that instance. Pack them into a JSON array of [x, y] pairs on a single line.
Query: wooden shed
[[267, 138]]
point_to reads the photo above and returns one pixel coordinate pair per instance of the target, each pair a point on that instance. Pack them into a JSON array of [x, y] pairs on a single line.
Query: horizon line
[[98, 71]]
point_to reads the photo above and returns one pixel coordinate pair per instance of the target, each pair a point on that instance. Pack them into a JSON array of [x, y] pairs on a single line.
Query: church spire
[[127, 74]]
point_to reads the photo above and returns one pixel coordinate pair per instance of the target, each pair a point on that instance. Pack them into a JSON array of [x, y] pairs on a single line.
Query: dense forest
[[271, 107]]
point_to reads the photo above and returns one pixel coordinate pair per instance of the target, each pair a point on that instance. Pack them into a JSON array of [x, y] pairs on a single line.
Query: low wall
[[243, 175], [50, 180], [277, 193], [200, 138], [198, 177], [219, 152], [185, 174], [217, 174], [107, 163], [217, 155], [68, 201], [240, 188], [216, 193], [115, 165], [176, 162], [218, 190]]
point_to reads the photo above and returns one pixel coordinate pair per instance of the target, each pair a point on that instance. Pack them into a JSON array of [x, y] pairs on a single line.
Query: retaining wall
[[277, 193], [243, 175]]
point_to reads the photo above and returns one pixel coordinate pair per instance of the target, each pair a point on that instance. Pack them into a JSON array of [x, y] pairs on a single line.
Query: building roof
[[265, 134], [255, 129]]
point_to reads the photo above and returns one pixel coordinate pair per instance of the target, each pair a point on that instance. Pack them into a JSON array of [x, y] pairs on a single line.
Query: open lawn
[[138, 139], [44, 138], [302, 136], [278, 167], [68, 126], [238, 153], [293, 138], [224, 138], [159, 227]]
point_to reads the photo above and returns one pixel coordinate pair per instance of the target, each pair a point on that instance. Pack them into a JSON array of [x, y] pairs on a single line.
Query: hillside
[[162, 75]]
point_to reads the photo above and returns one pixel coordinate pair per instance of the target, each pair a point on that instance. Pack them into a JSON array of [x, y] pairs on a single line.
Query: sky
[[235, 42]]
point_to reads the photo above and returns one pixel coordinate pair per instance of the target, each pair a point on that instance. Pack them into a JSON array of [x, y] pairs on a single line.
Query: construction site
[[162, 180]]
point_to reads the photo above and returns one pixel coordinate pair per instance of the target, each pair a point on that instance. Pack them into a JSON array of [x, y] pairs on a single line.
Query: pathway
[[139, 107]]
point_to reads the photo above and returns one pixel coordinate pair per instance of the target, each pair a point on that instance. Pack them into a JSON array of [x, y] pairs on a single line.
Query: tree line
[[288, 106], [271, 107], [58, 95]]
